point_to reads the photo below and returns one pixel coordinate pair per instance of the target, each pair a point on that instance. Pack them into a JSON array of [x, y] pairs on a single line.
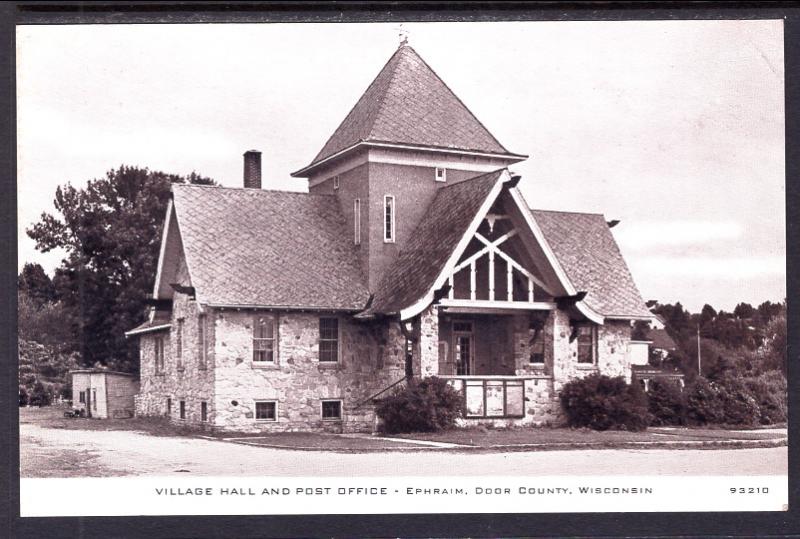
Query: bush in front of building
[[667, 403], [769, 389], [601, 402], [733, 401], [705, 402], [427, 405]]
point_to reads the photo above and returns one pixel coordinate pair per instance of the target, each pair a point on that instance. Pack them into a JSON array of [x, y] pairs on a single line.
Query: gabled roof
[[661, 339], [408, 103], [253, 247], [435, 239], [586, 249]]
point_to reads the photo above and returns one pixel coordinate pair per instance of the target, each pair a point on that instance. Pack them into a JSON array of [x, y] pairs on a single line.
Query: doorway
[[464, 348]]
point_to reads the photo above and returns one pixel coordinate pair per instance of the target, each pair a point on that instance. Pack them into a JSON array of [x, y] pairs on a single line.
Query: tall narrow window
[[441, 174], [179, 344], [182, 409], [537, 347], [201, 341], [159, 354], [169, 407], [336, 182], [357, 221], [329, 340], [388, 219], [586, 344], [204, 411], [264, 339]]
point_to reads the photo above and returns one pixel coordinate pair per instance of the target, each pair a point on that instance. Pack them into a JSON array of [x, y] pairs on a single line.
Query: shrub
[[421, 406], [770, 392], [601, 403], [667, 403], [741, 408], [40, 396], [705, 403], [23, 396]]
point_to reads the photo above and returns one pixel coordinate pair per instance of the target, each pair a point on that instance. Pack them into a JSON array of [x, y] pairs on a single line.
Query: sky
[[676, 128]]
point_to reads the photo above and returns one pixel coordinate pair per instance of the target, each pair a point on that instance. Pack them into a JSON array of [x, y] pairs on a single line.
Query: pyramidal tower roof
[[409, 104]]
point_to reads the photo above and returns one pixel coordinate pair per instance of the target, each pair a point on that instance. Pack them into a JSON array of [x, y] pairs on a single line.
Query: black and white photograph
[[418, 267]]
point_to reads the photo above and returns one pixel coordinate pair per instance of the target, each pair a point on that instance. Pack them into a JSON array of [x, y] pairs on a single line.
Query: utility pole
[[699, 364]]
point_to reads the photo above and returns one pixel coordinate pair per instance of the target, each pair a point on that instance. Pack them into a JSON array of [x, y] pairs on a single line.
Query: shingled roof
[[586, 249], [430, 246], [268, 248], [408, 103]]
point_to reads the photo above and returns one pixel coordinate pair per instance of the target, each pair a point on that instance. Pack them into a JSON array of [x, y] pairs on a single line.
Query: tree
[[36, 284], [744, 311], [111, 231]]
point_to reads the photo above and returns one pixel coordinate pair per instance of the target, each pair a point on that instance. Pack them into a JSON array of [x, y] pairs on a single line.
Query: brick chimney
[[252, 169]]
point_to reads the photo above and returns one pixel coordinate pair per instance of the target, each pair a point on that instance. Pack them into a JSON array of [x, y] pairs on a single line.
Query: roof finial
[[403, 34]]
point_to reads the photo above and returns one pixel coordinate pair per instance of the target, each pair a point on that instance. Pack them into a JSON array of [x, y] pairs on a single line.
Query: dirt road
[[49, 452]]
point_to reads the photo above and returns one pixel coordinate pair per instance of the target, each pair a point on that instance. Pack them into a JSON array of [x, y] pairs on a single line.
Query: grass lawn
[[482, 437], [53, 417]]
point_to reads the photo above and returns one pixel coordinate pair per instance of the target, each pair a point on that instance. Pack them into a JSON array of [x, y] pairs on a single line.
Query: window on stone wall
[[332, 410], [329, 340], [266, 411], [182, 409], [159, 354], [204, 411], [587, 348], [537, 347], [179, 344], [169, 407], [82, 397], [264, 339], [201, 341]]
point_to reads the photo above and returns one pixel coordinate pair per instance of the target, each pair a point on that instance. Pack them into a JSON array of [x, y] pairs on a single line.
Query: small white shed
[[103, 394]]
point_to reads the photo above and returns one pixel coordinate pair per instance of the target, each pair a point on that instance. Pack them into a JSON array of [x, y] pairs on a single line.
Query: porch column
[[428, 342]]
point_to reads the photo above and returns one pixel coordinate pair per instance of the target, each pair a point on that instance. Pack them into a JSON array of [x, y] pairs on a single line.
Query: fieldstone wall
[[183, 378], [428, 343], [371, 357], [613, 339]]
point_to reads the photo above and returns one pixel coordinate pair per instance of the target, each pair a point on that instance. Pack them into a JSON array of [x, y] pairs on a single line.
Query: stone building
[[412, 254]]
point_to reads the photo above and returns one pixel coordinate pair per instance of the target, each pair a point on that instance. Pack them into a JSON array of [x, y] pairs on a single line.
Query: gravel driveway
[[49, 452]]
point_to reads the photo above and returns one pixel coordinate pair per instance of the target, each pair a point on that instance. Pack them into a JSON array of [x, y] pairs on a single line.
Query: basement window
[[266, 411], [441, 174], [331, 410], [388, 219]]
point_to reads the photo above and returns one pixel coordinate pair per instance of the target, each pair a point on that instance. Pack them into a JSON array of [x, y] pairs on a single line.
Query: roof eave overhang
[[276, 307], [307, 170], [150, 329]]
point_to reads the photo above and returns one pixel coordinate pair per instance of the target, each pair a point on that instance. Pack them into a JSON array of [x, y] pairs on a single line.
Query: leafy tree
[[111, 231], [744, 311], [36, 284]]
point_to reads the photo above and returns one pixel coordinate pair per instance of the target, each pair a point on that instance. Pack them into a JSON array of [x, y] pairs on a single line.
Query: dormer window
[[441, 174], [336, 182], [388, 219]]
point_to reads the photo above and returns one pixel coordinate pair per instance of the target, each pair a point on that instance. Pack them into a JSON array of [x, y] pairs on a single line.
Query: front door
[[463, 347]]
